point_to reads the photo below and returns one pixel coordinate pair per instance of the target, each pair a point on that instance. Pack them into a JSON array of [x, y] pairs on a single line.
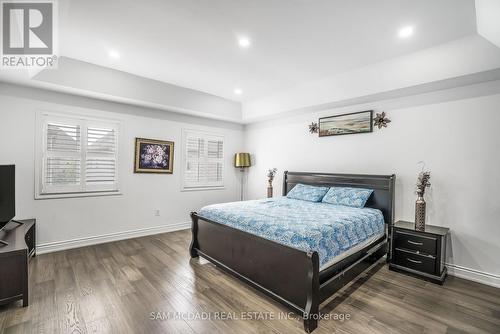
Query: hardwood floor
[[131, 286]]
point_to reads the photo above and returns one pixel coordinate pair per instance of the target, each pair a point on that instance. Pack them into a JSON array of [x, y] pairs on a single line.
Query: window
[[203, 164], [76, 156]]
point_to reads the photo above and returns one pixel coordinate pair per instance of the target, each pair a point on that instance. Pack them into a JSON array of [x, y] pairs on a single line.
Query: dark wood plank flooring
[[131, 286]]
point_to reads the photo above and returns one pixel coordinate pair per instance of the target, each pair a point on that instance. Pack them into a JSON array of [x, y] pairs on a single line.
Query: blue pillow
[[355, 197], [307, 193]]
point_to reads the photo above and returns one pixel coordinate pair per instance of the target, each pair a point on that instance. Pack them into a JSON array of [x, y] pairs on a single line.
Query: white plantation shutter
[[78, 155], [63, 156], [203, 160], [100, 162]]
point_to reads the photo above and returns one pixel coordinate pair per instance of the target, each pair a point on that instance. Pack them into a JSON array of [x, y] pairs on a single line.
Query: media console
[[20, 239]]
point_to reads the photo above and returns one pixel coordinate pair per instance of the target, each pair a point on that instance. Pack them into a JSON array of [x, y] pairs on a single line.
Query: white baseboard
[[99, 239], [473, 275]]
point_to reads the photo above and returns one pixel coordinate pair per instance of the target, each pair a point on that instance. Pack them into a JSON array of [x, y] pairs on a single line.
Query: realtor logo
[[28, 34]]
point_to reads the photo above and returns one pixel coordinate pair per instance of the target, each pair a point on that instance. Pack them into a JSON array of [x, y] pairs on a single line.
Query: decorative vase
[[270, 189], [420, 214]]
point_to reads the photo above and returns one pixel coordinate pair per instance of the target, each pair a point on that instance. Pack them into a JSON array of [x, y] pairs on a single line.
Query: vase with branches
[[422, 183], [271, 173]]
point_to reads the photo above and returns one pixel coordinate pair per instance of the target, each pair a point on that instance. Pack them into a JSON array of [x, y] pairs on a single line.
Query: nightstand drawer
[[419, 243], [415, 261]]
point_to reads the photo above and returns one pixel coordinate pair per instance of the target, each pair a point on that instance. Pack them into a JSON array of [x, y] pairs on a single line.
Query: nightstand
[[421, 253]]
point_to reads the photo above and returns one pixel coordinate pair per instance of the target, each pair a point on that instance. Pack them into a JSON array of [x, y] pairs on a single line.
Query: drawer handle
[[414, 261], [415, 243]]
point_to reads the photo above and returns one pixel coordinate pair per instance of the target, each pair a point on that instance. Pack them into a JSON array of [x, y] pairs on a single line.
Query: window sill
[[203, 188], [77, 195]]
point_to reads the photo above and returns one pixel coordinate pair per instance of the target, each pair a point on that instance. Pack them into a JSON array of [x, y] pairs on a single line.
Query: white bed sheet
[[351, 251]]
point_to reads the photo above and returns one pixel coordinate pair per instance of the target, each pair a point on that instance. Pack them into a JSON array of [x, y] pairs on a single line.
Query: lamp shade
[[242, 160]]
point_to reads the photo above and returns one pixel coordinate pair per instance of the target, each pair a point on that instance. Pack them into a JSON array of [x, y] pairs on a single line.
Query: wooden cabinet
[[20, 237], [421, 253]]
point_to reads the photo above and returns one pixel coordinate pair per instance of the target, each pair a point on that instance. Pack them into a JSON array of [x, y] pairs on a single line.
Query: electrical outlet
[[157, 212]]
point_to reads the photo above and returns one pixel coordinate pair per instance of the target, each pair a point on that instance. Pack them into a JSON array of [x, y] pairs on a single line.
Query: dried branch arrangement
[[271, 173], [422, 183]]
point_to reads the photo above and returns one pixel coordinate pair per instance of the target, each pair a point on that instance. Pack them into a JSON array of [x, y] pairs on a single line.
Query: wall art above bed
[[357, 122]]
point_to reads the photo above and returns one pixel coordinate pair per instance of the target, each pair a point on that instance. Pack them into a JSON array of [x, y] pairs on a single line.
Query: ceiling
[[193, 43]]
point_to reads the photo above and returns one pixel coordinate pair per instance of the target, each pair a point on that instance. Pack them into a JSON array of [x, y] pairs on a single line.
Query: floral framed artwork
[[154, 156]]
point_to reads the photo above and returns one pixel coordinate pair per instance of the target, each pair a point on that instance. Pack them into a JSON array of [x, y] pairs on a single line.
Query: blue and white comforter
[[326, 228]]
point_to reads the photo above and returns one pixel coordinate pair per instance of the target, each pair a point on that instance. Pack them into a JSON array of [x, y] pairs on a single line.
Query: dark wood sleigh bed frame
[[288, 275]]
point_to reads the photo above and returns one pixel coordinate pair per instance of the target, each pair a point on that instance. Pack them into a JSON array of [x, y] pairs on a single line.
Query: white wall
[[488, 24], [459, 141], [444, 64], [60, 220]]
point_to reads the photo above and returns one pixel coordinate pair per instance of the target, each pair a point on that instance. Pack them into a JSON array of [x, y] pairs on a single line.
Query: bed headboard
[[382, 185]]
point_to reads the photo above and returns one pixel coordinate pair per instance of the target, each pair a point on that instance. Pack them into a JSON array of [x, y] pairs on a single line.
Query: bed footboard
[[286, 274]]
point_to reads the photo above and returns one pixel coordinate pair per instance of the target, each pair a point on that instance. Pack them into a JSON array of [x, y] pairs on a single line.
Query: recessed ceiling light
[[244, 42], [113, 54], [238, 91], [405, 32]]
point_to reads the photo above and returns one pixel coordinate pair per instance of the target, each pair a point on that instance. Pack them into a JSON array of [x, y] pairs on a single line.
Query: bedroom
[[117, 155]]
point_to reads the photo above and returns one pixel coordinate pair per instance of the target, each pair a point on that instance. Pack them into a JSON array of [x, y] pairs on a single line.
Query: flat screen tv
[[7, 194]]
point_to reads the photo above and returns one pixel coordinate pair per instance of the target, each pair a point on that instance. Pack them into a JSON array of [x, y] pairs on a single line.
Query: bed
[[297, 252]]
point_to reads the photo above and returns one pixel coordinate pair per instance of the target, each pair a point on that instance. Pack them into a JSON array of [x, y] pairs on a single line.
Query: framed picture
[[357, 122], [153, 156]]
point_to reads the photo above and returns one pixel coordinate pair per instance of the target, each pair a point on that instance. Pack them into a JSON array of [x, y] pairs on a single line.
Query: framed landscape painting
[[153, 156], [358, 122]]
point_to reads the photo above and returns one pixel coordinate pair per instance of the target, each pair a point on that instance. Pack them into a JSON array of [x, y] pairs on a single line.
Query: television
[[7, 194]]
